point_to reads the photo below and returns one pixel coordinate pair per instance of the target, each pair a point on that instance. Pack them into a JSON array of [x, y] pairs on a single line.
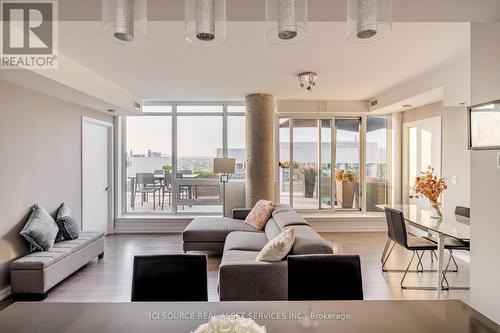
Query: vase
[[436, 210]]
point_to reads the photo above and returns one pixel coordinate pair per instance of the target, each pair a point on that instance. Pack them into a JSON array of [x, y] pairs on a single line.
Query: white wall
[[485, 177], [40, 162], [455, 158]]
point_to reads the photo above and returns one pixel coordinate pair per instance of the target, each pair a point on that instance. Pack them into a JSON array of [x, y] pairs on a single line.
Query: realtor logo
[[29, 34]]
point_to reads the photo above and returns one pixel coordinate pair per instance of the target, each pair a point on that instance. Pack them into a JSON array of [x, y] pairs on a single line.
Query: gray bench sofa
[[33, 275], [241, 278]]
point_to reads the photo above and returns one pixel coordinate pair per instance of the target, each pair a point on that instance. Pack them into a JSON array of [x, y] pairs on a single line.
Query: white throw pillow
[[278, 247]]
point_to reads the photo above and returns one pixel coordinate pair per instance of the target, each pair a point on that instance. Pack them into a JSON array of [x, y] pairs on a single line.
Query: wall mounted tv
[[484, 126]]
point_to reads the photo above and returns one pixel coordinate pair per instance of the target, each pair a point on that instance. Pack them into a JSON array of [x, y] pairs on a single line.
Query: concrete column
[[259, 144]]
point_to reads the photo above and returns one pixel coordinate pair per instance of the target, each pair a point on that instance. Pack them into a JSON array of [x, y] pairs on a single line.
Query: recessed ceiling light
[[407, 106], [111, 110]]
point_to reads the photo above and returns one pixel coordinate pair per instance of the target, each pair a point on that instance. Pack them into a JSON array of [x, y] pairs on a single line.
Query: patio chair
[[145, 184]]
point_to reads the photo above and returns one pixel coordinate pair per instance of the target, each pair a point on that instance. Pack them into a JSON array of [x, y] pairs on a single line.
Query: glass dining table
[[447, 226]]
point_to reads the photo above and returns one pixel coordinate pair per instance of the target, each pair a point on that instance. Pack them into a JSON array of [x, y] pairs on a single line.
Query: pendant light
[[124, 21], [205, 21], [287, 21], [368, 20]]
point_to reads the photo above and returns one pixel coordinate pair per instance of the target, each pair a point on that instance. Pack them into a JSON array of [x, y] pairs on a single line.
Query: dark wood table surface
[[355, 316]]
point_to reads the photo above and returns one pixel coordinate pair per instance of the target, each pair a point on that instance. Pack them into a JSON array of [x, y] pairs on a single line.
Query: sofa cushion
[[272, 229], [278, 247], [213, 229], [60, 250], [259, 214], [245, 241], [68, 225], [41, 229], [287, 218], [308, 241]]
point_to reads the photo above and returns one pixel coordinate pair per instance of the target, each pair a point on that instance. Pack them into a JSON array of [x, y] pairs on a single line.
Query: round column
[[259, 148]]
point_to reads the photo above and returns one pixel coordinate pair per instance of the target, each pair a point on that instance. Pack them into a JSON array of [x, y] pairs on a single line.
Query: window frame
[[174, 114]]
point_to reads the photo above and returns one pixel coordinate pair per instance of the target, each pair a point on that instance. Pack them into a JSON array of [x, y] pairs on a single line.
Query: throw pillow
[[278, 247], [259, 214], [41, 229], [68, 225]]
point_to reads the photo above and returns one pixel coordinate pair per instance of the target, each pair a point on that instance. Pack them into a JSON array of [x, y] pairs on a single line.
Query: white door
[[96, 175], [422, 148]]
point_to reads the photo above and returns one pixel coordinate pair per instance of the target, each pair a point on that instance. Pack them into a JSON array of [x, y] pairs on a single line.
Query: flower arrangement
[[309, 170], [429, 186], [345, 176], [230, 324]]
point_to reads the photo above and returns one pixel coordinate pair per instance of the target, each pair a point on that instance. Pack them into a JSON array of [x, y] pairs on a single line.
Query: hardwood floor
[[109, 280]]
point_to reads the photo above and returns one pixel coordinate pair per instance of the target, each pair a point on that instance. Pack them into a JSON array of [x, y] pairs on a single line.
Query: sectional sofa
[[241, 278]]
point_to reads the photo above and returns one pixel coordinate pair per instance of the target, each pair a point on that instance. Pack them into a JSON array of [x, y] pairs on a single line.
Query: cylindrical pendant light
[[368, 20], [124, 21], [205, 21], [287, 20]]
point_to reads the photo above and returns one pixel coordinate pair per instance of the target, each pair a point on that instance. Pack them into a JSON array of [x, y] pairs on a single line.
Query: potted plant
[[167, 168], [309, 180], [346, 187], [431, 187]]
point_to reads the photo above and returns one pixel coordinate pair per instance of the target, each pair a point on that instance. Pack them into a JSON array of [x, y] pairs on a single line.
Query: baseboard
[[337, 223], [4, 293]]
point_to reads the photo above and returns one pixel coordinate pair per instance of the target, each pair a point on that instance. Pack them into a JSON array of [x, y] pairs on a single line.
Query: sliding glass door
[[347, 163], [305, 163], [328, 163]]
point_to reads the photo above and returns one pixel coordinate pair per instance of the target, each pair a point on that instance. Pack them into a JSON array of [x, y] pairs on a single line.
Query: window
[[236, 144], [376, 162], [162, 180], [326, 163], [148, 151]]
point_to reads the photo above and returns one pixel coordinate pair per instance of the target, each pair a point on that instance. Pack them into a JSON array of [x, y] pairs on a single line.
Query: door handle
[[107, 189]]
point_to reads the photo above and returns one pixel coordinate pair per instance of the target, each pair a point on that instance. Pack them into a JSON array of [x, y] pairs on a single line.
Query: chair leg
[[406, 272], [386, 247], [387, 257], [162, 197], [454, 262], [154, 200]]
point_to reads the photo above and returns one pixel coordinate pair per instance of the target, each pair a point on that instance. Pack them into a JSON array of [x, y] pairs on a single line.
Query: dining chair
[[417, 245], [170, 278], [167, 188], [145, 184], [324, 277], [391, 243]]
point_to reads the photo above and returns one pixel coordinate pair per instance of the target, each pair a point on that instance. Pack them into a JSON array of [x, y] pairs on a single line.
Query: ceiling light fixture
[[307, 80], [124, 21], [287, 21], [368, 20], [205, 21]]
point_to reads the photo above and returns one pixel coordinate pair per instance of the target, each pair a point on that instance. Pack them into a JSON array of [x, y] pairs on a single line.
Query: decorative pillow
[[68, 225], [41, 229], [278, 247], [259, 214]]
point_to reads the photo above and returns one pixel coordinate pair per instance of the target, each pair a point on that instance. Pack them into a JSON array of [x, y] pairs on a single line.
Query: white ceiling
[[167, 67]]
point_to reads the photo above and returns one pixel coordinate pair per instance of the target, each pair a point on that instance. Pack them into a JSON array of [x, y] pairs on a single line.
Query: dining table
[[440, 225], [160, 177], [409, 316]]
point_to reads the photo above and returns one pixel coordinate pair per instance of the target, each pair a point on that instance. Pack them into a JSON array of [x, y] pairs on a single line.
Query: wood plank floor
[[109, 280]]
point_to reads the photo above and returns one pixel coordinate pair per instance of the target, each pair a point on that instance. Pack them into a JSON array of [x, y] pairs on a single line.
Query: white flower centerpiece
[[230, 324]]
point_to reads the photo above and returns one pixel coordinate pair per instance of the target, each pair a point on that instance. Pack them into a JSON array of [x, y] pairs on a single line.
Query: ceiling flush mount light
[[124, 21], [308, 80], [205, 21], [368, 20], [287, 21]]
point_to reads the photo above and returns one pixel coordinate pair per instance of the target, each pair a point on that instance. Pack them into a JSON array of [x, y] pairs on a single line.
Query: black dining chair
[[170, 278], [324, 277], [417, 245]]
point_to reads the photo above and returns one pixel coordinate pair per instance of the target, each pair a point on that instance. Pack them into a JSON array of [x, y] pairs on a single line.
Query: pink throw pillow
[[259, 214]]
